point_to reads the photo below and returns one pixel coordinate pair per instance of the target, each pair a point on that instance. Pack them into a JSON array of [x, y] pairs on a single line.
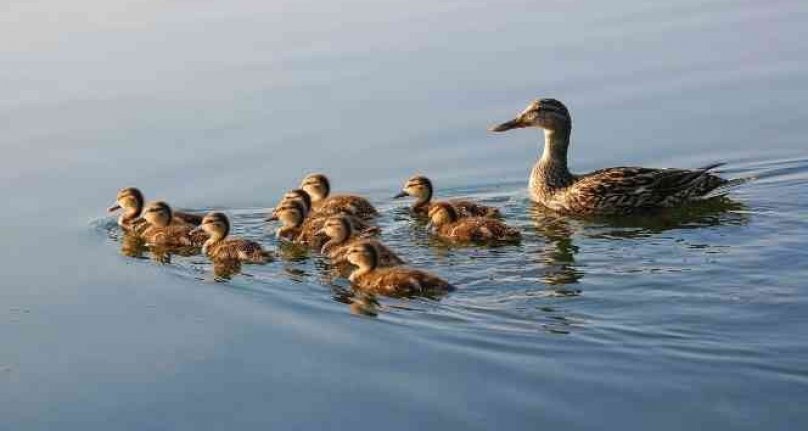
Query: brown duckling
[[300, 228], [160, 231], [219, 247], [447, 224], [420, 187], [130, 200], [292, 214], [319, 188], [392, 281], [294, 194], [341, 236]]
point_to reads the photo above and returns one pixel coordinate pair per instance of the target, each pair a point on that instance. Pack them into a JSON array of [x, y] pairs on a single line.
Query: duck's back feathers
[[465, 208], [625, 190], [401, 281], [478, 230], [346, 204], [338, 253], [188, 218], [174, 235], [239, 249]]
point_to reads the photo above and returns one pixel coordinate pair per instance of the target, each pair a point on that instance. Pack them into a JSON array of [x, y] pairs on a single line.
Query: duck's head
[[363, 255], [157, 213], [338, 228], [299, 195], [129, 198], [317, 186], [291, 213], [417, 186], [547, 114], [215, 224], [442, 213]]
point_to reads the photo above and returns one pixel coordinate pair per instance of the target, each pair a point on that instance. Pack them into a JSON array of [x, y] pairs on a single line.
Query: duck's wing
[[347, 204], [467, 208], [627, 189]]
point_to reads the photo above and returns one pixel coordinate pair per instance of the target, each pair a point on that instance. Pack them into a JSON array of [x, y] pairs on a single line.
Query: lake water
[[691, 320]]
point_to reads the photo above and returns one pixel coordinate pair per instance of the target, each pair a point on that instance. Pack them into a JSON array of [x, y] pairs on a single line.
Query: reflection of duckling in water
[[393, 281], [162, 232], [420, 187], [130, 200], [447, 225], [132, 245], [319, 188], [364, 304], [219, 247], [225, 269], [341, 236]]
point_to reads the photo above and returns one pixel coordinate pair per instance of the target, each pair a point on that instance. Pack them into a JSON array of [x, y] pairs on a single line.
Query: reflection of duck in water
[[130, 200], [558, 252], [396, 281], [611, 191], [219, 247], [420, 187], [225, 269]]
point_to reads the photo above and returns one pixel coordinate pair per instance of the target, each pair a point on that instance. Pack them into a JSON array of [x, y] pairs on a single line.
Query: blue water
[[690, 320]]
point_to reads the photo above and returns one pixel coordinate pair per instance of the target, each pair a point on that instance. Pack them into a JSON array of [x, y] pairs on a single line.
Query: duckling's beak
[[320, 232], [196, 229], [516, 123], [403, 194], [114, 208], [272, 217]]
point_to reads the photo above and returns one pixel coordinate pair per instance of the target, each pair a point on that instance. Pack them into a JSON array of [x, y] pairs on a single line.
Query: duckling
[[294, 194], [219, 248], [341, 236], [420, 187], [610, 191], [392, 281], [130, 199], [319, 188], [300, 228], [447, 224], [161, 232]]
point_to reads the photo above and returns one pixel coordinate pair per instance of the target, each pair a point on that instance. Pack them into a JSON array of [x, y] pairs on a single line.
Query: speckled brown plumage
[[219, 247], [422, 189], [398, 281], [319, 188], [131, 201], [447, 225], [611, 191], [161, 230], [341, 237]]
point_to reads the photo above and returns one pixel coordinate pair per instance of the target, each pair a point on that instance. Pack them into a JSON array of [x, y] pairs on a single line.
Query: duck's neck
[[129, 215], [214, 238], [423, 200], [551, 170], [333, 242], [360, 271]]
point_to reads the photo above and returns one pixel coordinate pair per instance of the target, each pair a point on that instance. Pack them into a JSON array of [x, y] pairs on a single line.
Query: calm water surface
[[694, 319]]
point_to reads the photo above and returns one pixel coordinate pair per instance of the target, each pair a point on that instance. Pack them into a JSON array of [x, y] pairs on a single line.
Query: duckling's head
[[215, 224], [291, 213], [128, 198], [300, 195], [442, 213], [547, 114], [157, 213], [338, 228], [417, 186], [364, 255], [317, 186]]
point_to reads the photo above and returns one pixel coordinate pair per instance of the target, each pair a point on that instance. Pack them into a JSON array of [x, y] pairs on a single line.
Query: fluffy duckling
[[319, 188], [420, 187], [292, 214], [610, 191], [130, 200], [294, 194], [219, 247], [162, 232], [296, 226], [392, 281], [447, 224], [341, 236]]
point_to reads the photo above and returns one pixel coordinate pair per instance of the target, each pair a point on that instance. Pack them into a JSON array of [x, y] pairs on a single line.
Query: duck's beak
[[196, 229], [516, 123], [114, 208], [272, 216], [403, 194]]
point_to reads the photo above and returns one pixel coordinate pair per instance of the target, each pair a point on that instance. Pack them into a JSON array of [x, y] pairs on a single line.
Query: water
[[692, 320]]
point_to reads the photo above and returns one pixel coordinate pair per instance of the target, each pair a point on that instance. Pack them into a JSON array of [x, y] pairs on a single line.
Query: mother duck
[[610, 191]]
